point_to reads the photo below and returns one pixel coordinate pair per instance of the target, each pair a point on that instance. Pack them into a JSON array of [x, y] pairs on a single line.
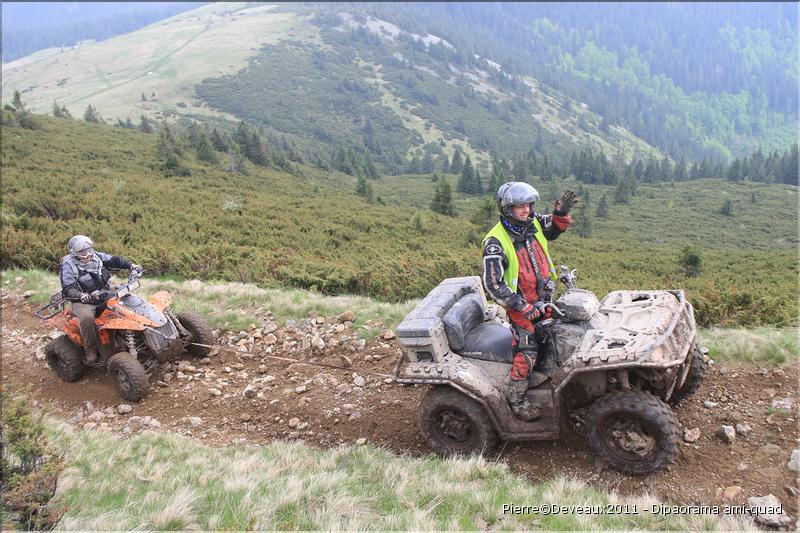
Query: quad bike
[[625, 357], [133, 336]]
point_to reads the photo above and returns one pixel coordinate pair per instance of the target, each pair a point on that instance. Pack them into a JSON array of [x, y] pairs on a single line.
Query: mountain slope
[[386, 95], [153, 70]]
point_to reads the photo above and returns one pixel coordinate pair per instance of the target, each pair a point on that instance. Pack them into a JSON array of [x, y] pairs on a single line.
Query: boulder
[[124, 408], [794, 461], [347, 316], [727, 434], [691, 435], [768, 511], [784, 404]]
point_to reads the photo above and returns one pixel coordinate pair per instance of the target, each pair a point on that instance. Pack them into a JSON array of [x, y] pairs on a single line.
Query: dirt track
[[334, 410]]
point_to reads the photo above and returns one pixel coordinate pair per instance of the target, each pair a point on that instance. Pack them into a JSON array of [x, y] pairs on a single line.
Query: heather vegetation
[[309, 230]]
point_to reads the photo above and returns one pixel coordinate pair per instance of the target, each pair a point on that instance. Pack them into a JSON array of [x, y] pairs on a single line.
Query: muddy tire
[[697, 370], [65, 359], [129, 376], [453, 423], [200, 330], [633, 431]]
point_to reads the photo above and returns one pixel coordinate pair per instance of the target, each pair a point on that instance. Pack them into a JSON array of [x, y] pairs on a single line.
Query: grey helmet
[[81, 248], [516, 193]]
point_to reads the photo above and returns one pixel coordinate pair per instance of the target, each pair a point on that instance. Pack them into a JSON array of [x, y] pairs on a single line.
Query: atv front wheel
[[697, 370], [633, 431], [453, 423], [200, 330], [129, 376], [65, 359]]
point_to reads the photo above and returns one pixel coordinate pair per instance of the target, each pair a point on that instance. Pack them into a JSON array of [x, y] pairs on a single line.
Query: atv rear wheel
[[697, 370], [453, 423], [65, 359], [200, 330], [633, 431], [129, 376]]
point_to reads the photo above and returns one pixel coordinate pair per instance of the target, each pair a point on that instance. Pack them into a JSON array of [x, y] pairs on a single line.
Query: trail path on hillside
[[333, 409]]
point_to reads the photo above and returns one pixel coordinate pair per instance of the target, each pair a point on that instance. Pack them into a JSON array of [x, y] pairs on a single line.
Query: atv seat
[[469, 336], [489, 342]]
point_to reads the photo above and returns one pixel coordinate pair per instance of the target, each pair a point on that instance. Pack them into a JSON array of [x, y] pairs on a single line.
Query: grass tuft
[[763, 346]]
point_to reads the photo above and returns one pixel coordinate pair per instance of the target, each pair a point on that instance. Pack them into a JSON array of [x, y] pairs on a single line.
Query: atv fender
[[471, 380], [161, 300]]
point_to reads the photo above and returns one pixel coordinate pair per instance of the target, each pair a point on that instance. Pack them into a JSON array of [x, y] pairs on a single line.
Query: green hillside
[[311, 231]]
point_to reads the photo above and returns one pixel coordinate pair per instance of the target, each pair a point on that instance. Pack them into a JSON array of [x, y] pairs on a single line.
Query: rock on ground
[[727, 434], [767, 511]]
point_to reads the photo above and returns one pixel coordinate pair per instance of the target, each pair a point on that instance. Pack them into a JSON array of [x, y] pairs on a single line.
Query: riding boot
[[518, 400], [91, 356]]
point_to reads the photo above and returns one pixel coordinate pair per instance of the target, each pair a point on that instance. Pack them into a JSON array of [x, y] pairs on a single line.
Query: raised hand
[[566, 202]]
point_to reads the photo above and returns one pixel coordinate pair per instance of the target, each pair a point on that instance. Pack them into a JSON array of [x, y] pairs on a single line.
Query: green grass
[[235, 306], [166, 482], [761, 346]]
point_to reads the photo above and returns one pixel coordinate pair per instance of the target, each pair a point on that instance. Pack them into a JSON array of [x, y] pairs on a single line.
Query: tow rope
[[290, 360]]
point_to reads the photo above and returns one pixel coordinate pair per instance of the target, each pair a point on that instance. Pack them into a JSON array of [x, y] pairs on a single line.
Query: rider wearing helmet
[[519, 274], [84, 282]]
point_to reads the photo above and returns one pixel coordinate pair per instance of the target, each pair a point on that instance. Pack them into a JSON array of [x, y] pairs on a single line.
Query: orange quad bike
[[133, 337]]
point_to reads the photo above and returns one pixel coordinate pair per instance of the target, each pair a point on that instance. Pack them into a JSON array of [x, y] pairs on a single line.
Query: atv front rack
[[55, 305]]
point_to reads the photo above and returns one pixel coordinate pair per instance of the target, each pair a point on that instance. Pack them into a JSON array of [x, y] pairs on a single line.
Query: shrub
[[690, 261], [29, 467]]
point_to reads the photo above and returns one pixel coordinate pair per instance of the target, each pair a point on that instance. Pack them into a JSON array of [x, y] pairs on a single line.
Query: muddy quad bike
[[625, 357], [133, 336]]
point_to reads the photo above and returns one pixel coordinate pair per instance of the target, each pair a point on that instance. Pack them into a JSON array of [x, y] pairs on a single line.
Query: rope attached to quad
[[291, 360]]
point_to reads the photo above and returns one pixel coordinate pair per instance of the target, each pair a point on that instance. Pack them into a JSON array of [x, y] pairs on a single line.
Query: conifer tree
[[91, 115], [583, 221], [456, 165], [442, 199], [60, 111], [602, 208], [144, 125]]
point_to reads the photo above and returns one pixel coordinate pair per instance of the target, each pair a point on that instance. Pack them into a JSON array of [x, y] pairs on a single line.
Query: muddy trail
[[249, 398]]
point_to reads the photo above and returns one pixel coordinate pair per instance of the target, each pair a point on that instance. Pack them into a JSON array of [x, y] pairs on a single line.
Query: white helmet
[[81, 248], [516, 193]]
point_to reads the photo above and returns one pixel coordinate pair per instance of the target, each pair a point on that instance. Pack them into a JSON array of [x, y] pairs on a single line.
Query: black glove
[[531, 312], [565, 203], [90, 297]]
